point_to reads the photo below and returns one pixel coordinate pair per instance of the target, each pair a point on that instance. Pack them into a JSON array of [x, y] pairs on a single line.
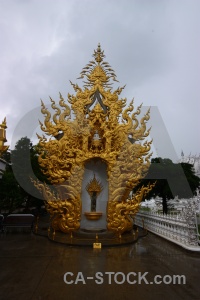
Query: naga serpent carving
[[94, 110]]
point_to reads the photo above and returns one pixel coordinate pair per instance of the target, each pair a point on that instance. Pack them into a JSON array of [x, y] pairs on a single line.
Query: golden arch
[[102, 129]]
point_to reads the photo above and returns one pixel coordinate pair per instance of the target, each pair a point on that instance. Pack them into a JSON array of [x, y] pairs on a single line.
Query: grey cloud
[[152, 46]]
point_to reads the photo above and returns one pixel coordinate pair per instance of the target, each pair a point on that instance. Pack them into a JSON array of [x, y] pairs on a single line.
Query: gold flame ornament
[[94, 188], [102, 128]]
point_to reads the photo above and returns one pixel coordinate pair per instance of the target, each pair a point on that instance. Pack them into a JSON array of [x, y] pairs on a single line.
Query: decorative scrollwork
[[100, 128]]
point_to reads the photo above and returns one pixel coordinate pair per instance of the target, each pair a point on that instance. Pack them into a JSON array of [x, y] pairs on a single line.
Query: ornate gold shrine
[[101, 128]]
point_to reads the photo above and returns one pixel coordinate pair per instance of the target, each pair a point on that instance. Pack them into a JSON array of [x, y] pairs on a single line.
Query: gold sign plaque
[[97, 245]]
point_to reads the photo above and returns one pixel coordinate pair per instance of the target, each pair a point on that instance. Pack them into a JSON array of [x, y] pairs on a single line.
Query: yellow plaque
[[97, 245]]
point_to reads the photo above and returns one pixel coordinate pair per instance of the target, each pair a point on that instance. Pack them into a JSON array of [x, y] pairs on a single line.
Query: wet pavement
[[32, 267]]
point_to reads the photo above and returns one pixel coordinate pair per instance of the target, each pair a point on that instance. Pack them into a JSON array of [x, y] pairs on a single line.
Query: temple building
[[193, 160]]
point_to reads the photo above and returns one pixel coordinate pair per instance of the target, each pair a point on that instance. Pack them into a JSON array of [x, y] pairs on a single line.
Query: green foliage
[[170, 178], [10, 194], [193, 180], [142, 208], [16, 187]]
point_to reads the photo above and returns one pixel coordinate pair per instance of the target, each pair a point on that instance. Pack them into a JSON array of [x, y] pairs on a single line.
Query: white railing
[[181, 228]]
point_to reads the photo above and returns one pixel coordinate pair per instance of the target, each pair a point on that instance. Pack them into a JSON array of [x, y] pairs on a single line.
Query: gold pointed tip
[[3, 124], [99, 47]]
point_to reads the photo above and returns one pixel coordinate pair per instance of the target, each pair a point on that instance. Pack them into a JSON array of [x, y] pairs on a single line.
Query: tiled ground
[[32, 267]]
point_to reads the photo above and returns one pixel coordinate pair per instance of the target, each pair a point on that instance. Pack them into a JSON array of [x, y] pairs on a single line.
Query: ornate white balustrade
[[180, 229]]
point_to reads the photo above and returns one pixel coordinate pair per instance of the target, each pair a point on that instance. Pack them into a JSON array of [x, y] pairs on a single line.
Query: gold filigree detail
[[94, 186], [97, 71], [64, 203], [101, 127], [120, 212]]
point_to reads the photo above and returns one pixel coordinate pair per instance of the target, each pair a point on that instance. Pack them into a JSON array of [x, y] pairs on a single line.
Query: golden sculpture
[[93, 188], [100, 129], [3, 127]]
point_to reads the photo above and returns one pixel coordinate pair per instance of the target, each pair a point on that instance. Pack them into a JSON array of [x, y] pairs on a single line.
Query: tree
[[16, 187], [25, 166], [170, 178], [10, 193], [193, 180]]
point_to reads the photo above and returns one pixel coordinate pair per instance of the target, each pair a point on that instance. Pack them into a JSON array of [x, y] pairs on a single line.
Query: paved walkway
[[32, 267]]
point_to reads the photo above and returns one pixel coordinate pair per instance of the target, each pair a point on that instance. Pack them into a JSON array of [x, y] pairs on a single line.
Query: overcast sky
[[153, 46]]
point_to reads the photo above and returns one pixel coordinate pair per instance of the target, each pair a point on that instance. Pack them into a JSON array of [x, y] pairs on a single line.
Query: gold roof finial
[[3, 136], [98, 71], [3, 124], [98, 54]]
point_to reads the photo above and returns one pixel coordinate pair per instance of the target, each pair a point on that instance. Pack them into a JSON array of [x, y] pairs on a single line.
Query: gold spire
[[3, 136], [98, 54], [98, 72]]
